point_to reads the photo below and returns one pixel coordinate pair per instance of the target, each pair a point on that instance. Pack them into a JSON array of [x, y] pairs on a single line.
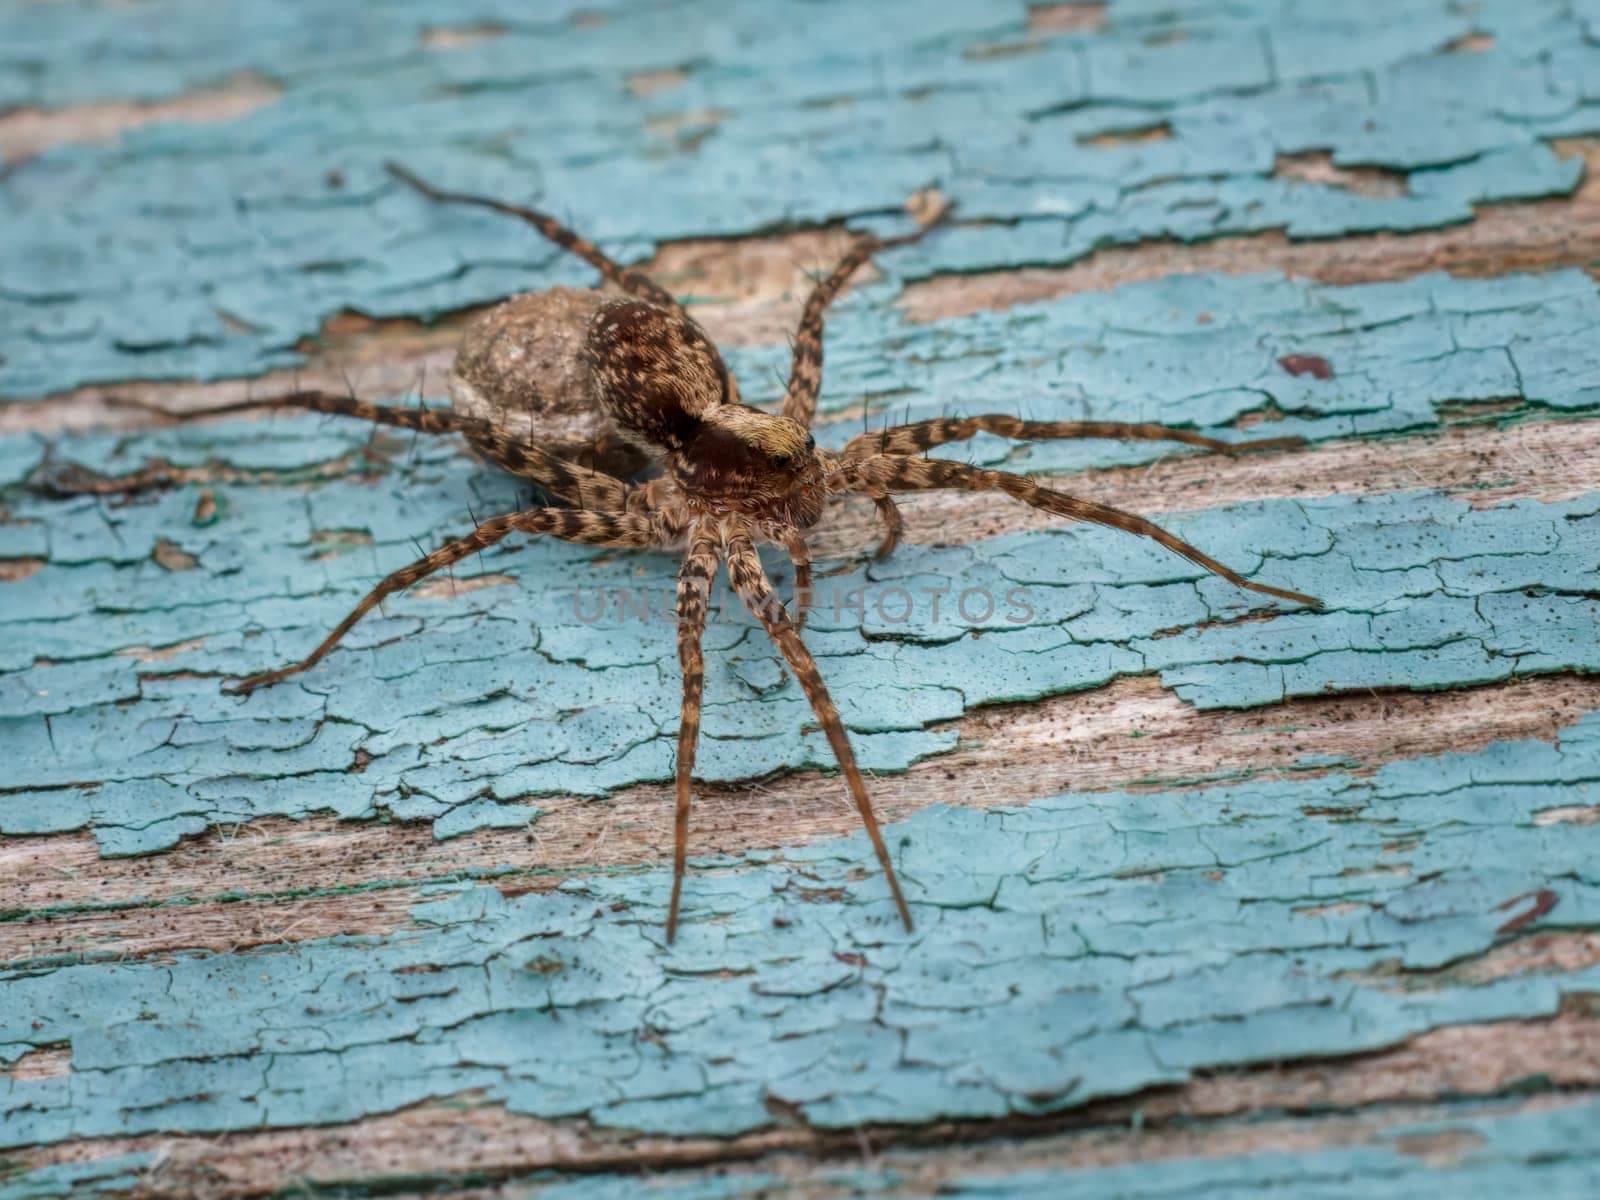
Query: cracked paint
[[106, 1174], [1089, 944], [1122, 940], [457, 703], [451, 708], [869, 106], [1486, 1153]]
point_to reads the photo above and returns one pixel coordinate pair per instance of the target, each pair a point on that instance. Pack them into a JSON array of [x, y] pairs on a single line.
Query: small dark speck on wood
[[1543, 901], [1306, 364]]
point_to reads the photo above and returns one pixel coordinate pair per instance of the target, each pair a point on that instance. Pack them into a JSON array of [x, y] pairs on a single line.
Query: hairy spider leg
[[893, 524], [921, 436], [896, 474], [629, 279], [572, 525], [800, 557], [750, 582], [568, 481], [633, 281], [694, 589], [805, 371], [925, 435]]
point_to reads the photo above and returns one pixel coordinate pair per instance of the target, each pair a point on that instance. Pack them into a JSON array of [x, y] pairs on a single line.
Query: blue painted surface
[[1117, 940], [467, 702], [1549, 1152], [510, 691], [212, 250], [112, 1173]]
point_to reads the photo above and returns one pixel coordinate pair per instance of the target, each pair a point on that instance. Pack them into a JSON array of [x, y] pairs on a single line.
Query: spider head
[[741, 459]]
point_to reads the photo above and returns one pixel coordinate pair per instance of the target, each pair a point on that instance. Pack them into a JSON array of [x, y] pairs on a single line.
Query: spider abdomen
[[523, 367]]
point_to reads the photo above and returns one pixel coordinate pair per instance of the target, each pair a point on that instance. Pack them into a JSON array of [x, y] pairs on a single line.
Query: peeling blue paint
[[465, 703], [1206, 350], [99, 1176], [460, 702], [212, 250], [1549, 1152], [1120, 940]]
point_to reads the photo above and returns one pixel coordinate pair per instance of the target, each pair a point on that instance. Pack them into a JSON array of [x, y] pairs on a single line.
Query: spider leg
[[575, 484], [800, 555], [591, 528], [750, 582], [805, 372], [893, 524], [897, 474], [694, 587], [924, 435], [629, 280]]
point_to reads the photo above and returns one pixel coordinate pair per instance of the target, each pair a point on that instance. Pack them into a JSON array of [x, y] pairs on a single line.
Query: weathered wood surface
[[1214, 897]]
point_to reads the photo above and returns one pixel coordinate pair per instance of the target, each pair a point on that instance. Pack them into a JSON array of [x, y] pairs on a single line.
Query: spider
[[652, 386]]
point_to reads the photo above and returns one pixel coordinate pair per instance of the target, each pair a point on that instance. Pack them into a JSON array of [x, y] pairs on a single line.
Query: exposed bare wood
[[452, 37], [648, 83], [748, 291], [1537, 235], [465, 1136], [1008, 755], [1319, 167], [49, 1062], [26, 132], [1077, 16]]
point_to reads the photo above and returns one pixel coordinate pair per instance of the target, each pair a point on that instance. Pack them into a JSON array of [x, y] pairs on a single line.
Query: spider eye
[[780, 460], [811, 442]]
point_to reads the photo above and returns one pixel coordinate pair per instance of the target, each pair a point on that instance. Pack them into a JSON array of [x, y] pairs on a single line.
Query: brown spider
[[652, 385]]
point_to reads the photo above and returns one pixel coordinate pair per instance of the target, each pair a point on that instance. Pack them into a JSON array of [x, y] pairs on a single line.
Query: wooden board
[[1213, 896]]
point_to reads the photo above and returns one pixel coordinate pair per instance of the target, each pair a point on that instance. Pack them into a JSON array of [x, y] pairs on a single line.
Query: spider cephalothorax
[[656, 373], [743, 460], [551, 386]]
